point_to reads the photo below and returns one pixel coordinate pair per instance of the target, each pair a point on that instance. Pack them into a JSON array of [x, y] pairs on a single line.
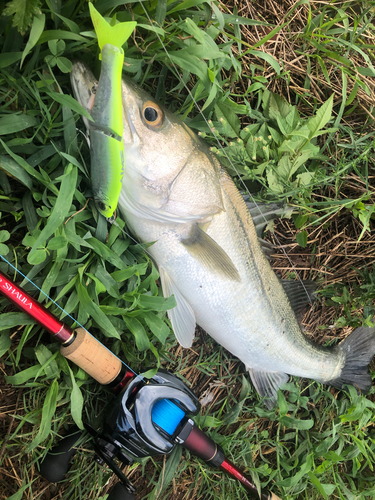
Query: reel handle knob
[[119, 492], [56, 463]]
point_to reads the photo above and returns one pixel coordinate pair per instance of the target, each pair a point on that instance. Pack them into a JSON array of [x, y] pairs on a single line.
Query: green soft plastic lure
[[106, 129]]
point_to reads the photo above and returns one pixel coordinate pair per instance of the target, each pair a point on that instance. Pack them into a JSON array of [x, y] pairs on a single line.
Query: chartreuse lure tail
[[115, 35], [106, 129]]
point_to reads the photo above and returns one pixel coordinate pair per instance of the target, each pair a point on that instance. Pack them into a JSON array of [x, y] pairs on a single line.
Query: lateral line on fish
[[221, 147]]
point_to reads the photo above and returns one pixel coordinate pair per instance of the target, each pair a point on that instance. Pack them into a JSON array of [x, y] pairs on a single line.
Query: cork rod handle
[[90, 355]]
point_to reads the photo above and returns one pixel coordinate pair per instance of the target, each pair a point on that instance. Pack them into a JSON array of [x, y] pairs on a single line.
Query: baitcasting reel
[[147, 418], [150, 417]]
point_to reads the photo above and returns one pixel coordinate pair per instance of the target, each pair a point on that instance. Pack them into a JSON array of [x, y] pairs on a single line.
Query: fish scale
[[268, 300], [225, 309], [176, 194]]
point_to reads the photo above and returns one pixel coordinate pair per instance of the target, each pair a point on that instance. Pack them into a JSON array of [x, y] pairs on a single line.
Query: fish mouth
[[83, 82], [84, 86]]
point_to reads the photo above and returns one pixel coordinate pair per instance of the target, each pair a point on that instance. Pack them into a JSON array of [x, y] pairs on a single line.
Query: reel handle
[[119, 492], [56, 463]]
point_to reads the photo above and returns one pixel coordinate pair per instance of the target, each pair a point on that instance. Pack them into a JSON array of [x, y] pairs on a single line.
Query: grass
[[318, 443]]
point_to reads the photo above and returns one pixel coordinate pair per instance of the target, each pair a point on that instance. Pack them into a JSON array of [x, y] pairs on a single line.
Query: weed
[[316, 443]]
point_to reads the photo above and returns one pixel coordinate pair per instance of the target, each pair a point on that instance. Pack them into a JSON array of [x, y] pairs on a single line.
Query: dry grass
[[331, 256], [302, 74]]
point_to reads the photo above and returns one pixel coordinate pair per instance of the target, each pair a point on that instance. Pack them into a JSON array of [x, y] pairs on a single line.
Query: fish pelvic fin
[[182, 316], [267, 384], [359, 349], [206, 251]]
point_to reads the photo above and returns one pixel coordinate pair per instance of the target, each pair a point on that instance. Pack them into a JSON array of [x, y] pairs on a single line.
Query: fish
[[206, 245]]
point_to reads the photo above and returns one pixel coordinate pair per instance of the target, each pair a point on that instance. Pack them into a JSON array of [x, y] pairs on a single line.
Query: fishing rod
[[147, 418]]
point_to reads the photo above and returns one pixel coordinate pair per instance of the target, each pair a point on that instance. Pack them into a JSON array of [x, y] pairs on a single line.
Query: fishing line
[[63, 310], [221, 147], [112, 221]]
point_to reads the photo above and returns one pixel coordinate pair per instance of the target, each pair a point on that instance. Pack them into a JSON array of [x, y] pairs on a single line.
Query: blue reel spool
[[167, 415]]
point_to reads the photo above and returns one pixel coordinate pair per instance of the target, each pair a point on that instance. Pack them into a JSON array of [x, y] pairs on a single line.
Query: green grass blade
[[61, 208], [36, 30]]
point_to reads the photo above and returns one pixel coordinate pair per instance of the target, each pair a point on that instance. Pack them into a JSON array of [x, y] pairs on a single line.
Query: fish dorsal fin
[[182, 316], [298, 298], [267, 247], [205, 250], [267, 384], [262, 213], [254, 216]]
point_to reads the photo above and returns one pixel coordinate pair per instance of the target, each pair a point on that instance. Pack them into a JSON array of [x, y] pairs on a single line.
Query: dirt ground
[[333, 255]]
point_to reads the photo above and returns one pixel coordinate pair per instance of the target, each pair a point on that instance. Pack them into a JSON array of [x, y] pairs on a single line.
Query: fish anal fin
[[267, 384], [182, 316], [299, 294], [206, 251]]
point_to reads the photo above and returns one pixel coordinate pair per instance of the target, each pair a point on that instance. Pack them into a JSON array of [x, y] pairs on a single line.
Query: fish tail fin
[[359, 349]]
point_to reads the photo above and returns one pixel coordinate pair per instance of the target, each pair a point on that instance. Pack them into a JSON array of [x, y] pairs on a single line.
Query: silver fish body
[[176, 194]]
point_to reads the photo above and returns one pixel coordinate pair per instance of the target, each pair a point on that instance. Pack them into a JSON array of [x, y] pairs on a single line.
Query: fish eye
[[152, 114]]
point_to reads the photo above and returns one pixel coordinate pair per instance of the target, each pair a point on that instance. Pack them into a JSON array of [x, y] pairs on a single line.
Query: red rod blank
[[31, 307]]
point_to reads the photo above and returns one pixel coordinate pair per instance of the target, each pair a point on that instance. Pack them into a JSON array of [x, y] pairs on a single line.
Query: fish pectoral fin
[[205, 250], [299, 294], [267, 384], [182, 316]]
